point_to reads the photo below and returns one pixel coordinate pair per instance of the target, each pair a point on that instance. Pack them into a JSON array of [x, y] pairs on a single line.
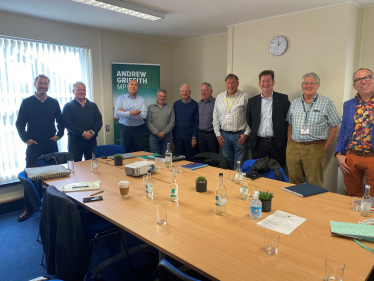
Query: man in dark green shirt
[[39, 112]]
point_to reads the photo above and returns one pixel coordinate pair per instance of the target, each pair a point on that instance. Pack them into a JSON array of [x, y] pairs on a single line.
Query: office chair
[[167, 272], [32, 194], [55, 158], [212, 159], [269, 174], [108, 150]]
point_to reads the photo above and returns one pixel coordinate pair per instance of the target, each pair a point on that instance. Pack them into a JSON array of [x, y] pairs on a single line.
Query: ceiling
[[183, 19]]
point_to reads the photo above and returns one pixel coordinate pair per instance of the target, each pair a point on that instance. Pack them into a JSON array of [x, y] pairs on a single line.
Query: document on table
[[281, 222]]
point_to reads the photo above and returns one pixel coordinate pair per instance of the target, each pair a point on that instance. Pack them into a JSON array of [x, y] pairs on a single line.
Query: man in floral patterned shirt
[[354, 150]]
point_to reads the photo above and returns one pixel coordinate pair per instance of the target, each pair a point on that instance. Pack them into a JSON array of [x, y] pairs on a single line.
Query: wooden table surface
[[227, 247]]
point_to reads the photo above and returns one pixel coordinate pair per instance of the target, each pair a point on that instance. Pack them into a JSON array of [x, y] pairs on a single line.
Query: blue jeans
[[158, 145], [232, 150]]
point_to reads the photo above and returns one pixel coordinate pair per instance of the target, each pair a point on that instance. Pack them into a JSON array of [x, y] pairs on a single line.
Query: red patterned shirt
[[363, 119]]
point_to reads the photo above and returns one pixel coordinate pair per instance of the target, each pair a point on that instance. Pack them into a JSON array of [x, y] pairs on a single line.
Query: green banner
[[148, 77]]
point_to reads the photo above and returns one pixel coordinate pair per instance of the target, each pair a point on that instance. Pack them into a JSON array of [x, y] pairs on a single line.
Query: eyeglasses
[[308, 83], [366, 78]]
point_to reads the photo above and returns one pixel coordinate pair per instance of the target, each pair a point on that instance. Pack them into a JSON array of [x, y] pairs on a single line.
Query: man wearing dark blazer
[[266, 117]]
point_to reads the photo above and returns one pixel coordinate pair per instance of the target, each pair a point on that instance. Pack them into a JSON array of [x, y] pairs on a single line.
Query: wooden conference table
[[229, 247]]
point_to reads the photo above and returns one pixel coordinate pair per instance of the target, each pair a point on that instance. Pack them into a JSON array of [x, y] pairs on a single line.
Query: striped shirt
[[128, 104], [266, 124], [229, 113], [318, 116]]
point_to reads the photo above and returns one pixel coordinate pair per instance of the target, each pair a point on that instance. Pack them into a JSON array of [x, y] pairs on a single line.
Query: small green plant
[[118, 156], [201, 179], [265, 196]]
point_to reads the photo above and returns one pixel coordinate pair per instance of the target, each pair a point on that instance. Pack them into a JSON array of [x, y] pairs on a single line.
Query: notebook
[[194, 166], [353, 230], [304, 189], [81, 186], [124, 156], [150, 156]]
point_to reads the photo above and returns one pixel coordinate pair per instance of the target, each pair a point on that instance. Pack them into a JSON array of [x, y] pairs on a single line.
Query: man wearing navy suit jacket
[[266, 117], [354, 149]]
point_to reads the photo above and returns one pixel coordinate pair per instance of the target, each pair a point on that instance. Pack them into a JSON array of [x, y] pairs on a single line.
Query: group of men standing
[[39, 112]]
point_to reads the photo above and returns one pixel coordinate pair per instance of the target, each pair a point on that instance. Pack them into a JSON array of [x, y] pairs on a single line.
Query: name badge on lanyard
[[305, 131], [228, 116]]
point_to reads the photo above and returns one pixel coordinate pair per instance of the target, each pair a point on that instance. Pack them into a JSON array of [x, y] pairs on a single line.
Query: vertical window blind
[[20, 62]]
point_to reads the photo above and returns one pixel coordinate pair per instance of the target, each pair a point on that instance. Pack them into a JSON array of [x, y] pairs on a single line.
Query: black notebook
[[304, 189]]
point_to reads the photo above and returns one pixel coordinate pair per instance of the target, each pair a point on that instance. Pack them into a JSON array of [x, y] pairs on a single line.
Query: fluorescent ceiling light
[[126, 8]]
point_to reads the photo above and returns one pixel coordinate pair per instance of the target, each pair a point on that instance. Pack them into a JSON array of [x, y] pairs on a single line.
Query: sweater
[[40, 119], [160, 119], [78, 119], [186, 119]]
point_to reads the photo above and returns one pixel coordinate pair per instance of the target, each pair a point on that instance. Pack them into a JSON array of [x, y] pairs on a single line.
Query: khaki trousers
[[360, 166], [305, 162]]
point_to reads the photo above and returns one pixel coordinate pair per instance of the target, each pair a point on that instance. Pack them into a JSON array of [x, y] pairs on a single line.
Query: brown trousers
[[305, 162], [360, 166]]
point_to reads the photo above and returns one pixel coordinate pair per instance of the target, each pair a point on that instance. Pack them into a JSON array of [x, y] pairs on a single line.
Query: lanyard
[[366, 247], [231, 103], [310, 108]]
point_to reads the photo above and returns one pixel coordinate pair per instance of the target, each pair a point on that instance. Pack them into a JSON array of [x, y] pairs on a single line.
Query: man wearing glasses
[[354, 150], [313, 121]]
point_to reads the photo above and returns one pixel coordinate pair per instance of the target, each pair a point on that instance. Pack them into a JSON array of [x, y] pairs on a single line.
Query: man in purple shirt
[[206, 138]]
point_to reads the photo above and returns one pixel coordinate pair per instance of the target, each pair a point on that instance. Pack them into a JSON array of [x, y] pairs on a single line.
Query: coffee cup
[[124, 188]]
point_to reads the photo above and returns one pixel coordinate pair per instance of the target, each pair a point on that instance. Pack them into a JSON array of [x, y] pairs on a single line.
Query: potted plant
[[118, 160], [266, 197], [201, 184]]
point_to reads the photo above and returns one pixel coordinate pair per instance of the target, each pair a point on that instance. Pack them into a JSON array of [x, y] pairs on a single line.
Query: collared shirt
[[317, 117], [229, 113], [159, 106], [128, 104], [266, 122], [206, 114], [85, 102], [363, 120], [189, 100], [40, 98]]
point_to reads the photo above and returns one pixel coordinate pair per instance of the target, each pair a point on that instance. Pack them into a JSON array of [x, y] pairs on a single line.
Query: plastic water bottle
[[256, 208], [238, 176], [221, 197], [168, 156], [149, 185], [174, 189], [366, 202], [243, 188], [93, 163]]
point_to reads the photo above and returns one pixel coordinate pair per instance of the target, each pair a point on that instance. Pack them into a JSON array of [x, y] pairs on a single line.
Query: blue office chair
[[108, 150], [167, 272], [269, 174], [55, 158]]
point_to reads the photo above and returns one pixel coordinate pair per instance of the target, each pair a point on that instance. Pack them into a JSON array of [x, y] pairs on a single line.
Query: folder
[[304, 189], [194, 166]]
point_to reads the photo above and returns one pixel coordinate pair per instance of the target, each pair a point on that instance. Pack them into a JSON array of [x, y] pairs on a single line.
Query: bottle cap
[[255, 196], [174, 175], [220, 174], [367, 186]]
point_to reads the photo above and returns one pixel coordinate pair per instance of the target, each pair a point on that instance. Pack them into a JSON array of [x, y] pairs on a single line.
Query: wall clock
[[278, 45]]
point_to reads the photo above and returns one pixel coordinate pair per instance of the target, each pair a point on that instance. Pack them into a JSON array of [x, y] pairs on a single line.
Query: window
[[20, 62]]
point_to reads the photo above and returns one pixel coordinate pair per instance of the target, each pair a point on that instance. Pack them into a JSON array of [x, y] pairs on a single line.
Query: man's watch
[[338, 153]]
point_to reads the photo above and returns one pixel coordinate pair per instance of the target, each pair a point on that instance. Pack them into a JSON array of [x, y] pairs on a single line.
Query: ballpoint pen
[[97, 192]]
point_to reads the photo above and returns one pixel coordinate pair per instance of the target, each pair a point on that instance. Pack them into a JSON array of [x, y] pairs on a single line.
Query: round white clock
[[278, 45]]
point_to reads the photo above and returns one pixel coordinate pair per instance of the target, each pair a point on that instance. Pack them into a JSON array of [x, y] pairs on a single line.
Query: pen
[[96, 193]]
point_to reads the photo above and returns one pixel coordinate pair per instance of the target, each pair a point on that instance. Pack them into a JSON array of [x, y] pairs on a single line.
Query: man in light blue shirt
[[131, 111]]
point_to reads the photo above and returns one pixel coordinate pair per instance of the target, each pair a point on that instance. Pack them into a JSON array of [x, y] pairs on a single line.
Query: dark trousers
[[33, 152], [132, 138], [184, 147], [207, 142], [80, 148], [267, 148]]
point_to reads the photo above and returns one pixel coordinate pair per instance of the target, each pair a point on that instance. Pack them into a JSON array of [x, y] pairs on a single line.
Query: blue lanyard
[[310, 108]]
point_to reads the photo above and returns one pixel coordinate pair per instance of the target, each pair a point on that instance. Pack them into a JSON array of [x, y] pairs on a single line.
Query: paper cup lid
[[124, 183]]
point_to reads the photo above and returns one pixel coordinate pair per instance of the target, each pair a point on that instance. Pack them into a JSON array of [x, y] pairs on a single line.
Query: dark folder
[[304, 189]]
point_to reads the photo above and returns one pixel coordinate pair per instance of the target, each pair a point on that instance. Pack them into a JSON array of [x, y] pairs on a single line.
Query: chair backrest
[[212, 159], [108, 150], [269, 174], [30, 190], [167, 272], [43, 162], [55, 158]]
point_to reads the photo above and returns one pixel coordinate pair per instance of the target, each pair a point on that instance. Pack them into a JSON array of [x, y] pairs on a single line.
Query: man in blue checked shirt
[[131, 111], [313, 122]]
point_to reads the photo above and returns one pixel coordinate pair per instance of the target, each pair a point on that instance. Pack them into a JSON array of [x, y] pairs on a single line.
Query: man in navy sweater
[[186, 124], [39, 112], [83, 121]]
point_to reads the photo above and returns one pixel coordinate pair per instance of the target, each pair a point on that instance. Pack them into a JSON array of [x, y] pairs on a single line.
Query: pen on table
[[97, 192]]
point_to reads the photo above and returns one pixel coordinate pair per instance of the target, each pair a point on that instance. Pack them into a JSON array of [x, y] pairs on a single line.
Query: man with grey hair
[[186, 124], [39, 112], [206, 138], [313, 122], [83, 121], [354, 149], [160, 122]]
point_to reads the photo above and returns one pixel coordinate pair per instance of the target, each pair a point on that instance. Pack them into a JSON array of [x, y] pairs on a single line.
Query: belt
[[207, 132], [312, 142], [362, 153], [266, 138], [230, 132]]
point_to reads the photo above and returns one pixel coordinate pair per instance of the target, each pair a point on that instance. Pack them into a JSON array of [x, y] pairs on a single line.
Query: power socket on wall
[[107, 128]]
